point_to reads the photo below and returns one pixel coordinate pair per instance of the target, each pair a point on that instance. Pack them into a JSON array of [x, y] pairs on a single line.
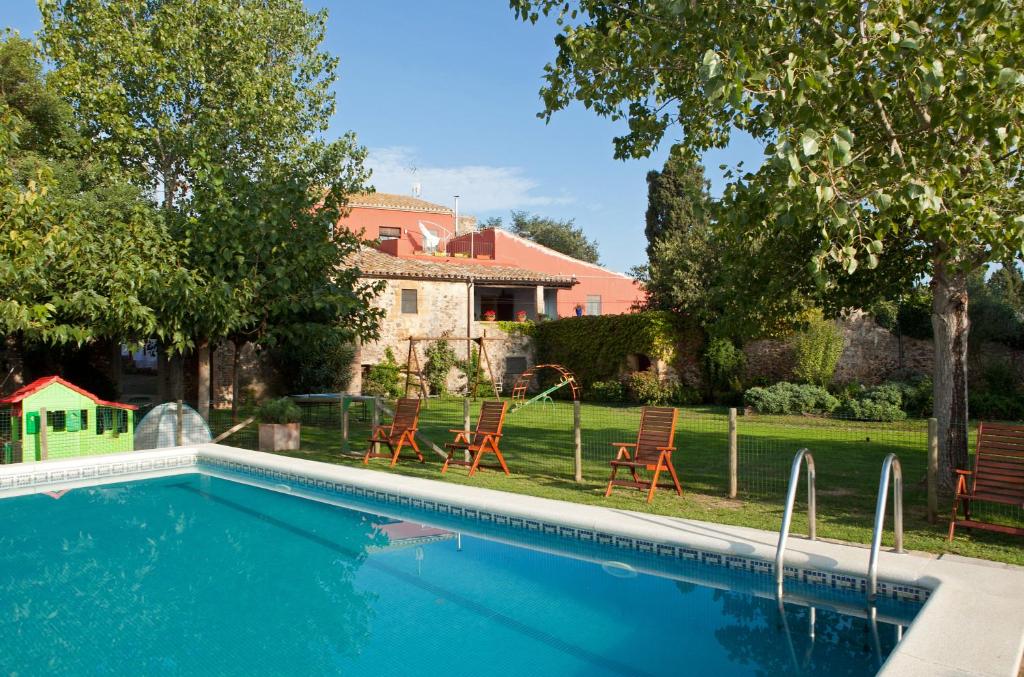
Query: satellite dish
[[430, 240]]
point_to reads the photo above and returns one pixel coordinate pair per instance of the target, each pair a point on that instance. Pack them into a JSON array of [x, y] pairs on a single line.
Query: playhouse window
[[59, 420], [104, 419], [85, 419], [122, 421]]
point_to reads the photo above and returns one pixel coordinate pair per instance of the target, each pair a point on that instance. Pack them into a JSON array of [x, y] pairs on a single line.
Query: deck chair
[[401, 432], [484, 440], [998, 476], [652, 451]]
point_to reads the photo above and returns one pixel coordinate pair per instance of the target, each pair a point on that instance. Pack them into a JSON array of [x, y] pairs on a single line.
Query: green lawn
[[538, 445]]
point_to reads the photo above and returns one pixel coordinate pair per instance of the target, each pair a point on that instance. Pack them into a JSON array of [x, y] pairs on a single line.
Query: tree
[[892, 131], [562, 236], [218, 108], [84, 256], [681, 261]]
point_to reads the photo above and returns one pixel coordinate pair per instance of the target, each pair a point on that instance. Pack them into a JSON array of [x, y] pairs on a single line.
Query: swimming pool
[[197, 574]]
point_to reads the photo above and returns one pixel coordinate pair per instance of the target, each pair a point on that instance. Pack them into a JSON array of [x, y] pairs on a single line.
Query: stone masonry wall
[[441, 310]]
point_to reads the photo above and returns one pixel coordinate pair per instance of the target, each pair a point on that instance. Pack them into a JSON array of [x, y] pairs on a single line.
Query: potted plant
[[520, 316], [490, 315], [279, 425]]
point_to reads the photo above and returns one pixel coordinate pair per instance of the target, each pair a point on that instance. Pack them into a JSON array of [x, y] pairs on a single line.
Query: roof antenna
[[416, 189]]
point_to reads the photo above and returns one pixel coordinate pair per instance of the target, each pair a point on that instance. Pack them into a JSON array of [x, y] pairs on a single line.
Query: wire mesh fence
[[557, 442]]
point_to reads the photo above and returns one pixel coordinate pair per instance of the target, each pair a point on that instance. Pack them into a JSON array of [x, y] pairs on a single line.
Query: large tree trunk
[[203, 379], [950, 327]]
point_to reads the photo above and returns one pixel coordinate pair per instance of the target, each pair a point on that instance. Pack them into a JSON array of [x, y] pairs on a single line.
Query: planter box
[[279, 436]]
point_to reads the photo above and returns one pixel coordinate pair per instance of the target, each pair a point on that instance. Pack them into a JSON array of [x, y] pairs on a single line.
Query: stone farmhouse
[[444, 276]]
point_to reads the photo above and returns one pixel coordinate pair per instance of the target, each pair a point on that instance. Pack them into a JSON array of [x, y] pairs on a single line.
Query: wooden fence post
[[44, 445], [179, 428], [933, 469], [375, 421], [577, 439], [466, 424], [345, 402], [734, 456]]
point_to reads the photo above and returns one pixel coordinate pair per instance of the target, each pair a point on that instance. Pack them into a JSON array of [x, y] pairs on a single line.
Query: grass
[[539, 448]]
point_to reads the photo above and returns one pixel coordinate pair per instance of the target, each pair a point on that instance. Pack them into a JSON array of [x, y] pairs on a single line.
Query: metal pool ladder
[[890, 466], [787, 515]]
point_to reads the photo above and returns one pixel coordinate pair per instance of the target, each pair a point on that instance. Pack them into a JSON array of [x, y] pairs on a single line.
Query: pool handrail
[[890, 466], [787, 516]]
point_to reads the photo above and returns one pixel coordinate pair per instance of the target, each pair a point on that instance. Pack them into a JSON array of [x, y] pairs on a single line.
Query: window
[[122, 420], [409, 305], [104, 419], [58, 420], [594, 304], [85, 419], [389, 233]]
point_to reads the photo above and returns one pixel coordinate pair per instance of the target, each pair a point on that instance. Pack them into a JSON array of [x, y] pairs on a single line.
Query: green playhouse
[[77, 423]]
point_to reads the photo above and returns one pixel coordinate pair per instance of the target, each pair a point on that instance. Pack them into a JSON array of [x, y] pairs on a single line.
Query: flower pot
[[279, 436]]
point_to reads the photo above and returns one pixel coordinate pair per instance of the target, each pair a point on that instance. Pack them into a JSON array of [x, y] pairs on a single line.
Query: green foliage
[[595, 348], [220, 109], [384, 378], [516, 328], [791, 398], [645, 387], [818, 349], [892, 139], [440, 360], [682, 261], [878, 403], [281, 410], [990, 405], [477, 381], [611, 390], [724, 364], [83, 256], [562, 236], [995, 311], [316, 360]]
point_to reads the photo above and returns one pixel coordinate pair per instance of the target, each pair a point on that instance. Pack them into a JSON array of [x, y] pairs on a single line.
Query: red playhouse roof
[[40, 383]]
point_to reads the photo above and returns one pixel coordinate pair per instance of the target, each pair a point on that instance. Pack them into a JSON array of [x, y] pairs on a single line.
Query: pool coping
[[962, 593]]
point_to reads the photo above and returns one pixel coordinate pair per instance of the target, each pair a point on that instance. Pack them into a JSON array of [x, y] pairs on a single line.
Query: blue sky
[[445, 94]]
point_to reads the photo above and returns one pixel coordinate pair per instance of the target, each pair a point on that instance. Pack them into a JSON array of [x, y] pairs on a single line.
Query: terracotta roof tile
[[400, 202], [373, 263]]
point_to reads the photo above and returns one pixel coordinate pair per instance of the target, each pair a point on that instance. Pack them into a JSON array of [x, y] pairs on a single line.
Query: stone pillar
[[540, 300]]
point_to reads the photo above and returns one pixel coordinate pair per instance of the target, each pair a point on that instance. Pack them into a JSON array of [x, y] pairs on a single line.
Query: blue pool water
[[194, 574]]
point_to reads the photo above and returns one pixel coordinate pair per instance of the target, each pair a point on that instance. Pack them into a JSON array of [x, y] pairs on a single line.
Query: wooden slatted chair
[[998, 476], [652, 451], [401, 433], [484, 440]]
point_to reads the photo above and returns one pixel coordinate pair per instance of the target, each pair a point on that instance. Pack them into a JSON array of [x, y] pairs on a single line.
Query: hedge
[[595, 347]]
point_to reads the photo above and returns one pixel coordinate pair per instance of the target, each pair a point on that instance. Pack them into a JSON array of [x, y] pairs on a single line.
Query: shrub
[[471, 370], [791, 398], [608, 391], [441, 359], [818, 349], [384, 378], [315, 359], [878, 403], [281, 410], [686, 395], [995, 406], [646, 388], [724, 363]]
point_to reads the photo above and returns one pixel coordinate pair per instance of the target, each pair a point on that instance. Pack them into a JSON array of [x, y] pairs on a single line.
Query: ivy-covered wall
[[595, 348]]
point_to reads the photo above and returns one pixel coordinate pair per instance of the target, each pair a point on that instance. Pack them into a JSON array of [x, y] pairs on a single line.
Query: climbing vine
[[595, 347]]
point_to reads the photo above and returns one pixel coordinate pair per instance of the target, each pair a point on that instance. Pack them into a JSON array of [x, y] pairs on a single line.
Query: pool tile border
[[812, 577]]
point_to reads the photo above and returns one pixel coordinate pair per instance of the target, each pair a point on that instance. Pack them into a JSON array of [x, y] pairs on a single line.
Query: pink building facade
[[410, 228]]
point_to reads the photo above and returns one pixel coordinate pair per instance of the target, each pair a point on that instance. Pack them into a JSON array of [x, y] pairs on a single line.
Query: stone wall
[[871, 355], [442, 310]]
